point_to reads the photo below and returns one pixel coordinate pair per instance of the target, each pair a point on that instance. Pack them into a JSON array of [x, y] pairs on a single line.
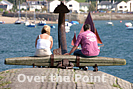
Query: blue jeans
[[79, 53]]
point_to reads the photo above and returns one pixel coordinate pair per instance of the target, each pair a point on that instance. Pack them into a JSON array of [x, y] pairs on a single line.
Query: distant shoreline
[[51, 18], [11, 20], [112, 16]]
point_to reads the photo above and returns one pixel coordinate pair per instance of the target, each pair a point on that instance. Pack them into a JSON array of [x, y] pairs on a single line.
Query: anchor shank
[[61, 33]]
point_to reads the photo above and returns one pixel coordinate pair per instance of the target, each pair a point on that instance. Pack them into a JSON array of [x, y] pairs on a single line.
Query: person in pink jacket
[[88, 42]]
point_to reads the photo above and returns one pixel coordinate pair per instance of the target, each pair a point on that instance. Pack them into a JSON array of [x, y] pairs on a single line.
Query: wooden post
[[62, 9]]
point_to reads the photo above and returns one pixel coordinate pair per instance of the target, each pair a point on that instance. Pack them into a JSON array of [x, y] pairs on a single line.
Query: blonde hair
[[46, 29]]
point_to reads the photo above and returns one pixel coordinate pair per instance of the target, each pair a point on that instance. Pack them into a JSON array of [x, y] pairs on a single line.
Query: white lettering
[[37, 78], [58, 78], [91, 37], [96, 77], [43, 77], [85, 79], [29, 78], [66, 79], [24, 78], [77, 77], [91, 78], [52, 78], [103, 78]]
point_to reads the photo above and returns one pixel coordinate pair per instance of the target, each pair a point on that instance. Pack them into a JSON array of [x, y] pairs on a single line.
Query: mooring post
[[62, 9]]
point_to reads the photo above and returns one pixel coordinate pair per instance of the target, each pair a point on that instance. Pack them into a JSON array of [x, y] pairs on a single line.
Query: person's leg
[[78, 53]]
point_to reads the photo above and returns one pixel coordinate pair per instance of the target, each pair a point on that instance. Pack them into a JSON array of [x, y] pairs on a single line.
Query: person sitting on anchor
[[44, 42], [88, 42]]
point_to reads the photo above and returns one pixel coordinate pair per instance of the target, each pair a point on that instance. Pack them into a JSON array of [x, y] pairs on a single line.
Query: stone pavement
[[53, 78]]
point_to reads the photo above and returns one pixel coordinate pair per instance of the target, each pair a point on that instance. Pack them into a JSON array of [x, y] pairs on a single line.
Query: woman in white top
[[44, 42]]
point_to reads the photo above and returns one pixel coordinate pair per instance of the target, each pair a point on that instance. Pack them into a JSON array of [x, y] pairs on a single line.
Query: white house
[[73, 6], [122, 6], [130, 6], [117, 6], [7, 5], [52, 5], [84, 7], [32, 5], [104, 5], [3, 6], [23, 6], [114, 6]]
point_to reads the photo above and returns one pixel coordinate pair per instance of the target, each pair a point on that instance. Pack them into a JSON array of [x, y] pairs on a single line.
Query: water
[[19, 41]]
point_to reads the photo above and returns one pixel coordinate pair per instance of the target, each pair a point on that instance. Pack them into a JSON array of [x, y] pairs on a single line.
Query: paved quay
[[54, 78]]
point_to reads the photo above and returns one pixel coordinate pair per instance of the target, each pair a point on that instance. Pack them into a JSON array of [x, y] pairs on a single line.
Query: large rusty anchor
[[65, 63]]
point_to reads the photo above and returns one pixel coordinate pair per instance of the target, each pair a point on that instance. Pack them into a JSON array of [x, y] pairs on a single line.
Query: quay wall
[[71, 17]]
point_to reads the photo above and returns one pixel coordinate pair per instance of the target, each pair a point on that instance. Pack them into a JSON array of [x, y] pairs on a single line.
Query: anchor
[[65, 63], [61, 9]]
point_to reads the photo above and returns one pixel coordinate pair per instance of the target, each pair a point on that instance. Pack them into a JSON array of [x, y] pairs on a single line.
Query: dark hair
[[43, 31], [86, 27]]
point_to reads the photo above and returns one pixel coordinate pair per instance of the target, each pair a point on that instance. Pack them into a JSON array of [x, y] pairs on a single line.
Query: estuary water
[[19, 41]]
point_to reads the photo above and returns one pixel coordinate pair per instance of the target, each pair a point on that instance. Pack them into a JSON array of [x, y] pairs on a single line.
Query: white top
[[43, 43]]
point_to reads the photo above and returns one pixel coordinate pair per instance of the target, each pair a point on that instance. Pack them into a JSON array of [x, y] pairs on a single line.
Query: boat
[[52, 26], [110, 22], [68, 24], [129, 28], [67, 29], [2, 22], [74, 22], [18, 21], [33, 24], [128, 24], [26, 21], [42, 23]]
